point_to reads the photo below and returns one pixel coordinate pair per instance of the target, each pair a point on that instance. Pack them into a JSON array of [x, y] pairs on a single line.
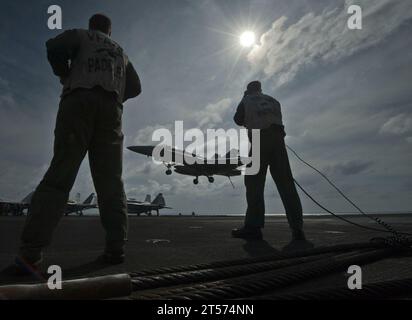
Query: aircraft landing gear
[[169, 170], [211, 179], [196, 180]]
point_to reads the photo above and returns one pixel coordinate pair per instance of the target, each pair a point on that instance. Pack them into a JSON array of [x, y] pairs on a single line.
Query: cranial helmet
[[254, 86]]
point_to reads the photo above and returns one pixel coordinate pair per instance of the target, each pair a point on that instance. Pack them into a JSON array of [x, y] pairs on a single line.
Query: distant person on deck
[[97, 77], [260, 111]]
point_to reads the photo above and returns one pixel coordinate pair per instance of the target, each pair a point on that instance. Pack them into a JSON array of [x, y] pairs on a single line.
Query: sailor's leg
[[72, 134], [282, 175], [105, 157], [255, 186]]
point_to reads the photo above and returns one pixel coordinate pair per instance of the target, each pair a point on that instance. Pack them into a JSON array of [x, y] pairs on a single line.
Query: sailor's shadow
[[259, 248], [297, 246], [86, 268]]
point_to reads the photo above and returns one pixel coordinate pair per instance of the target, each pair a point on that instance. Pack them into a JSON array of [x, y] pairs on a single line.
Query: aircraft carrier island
[[186, 257]]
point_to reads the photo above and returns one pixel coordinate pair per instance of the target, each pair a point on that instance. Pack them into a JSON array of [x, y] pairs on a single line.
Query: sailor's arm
[[60, 50], [239, 117], [133, 84]]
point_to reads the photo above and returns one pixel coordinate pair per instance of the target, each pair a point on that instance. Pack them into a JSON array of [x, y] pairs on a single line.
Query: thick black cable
[[388, 227], [260, 283], [198, 276], [377, 290], [334, 214]]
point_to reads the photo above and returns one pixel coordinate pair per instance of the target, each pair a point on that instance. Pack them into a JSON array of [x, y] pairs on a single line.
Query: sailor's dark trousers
[[88, 121], [273, 155]]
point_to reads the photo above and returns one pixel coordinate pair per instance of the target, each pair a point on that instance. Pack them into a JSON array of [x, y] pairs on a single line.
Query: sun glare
[[247, 39]]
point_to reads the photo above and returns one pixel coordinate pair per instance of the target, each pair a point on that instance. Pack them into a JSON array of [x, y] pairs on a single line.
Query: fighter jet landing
[[194, 165]]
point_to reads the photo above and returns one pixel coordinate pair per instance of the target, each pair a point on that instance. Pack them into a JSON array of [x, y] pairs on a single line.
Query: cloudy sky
[[345, 94]]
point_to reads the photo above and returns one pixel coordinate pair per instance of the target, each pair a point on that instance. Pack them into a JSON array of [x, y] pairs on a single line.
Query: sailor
[[260, 111], [97, 77]]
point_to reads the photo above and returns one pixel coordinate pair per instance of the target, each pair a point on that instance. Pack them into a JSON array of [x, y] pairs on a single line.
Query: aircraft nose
[[146, 150], [133, 148]]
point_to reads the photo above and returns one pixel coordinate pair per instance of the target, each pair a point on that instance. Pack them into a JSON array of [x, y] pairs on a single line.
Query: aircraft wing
[[145, 204], [233, 173], [88, 206], [172, 154], [145, 150]]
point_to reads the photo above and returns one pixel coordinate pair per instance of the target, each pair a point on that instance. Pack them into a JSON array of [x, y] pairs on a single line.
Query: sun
[[247, 39]]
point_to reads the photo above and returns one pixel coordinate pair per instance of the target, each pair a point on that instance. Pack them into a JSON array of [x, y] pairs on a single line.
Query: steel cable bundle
[[262, 282], [376, 290]]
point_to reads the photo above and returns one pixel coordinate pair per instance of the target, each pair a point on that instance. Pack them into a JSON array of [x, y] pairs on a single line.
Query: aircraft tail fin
[[159, 200], [89, 199], [27, 199], [148, 198]]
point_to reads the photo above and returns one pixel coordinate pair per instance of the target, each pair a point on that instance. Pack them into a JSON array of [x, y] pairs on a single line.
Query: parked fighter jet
[[138, 207], [76, 207], [222, 166], [15, 208]]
